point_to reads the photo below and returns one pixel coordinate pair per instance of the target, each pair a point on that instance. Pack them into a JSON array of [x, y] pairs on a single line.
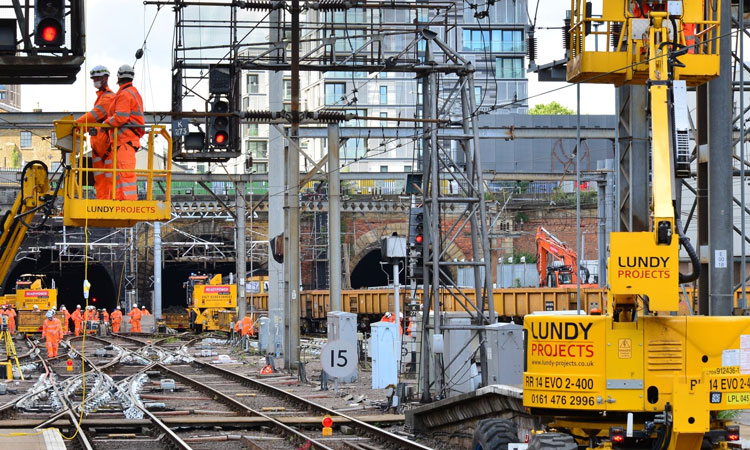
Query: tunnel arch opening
[[68, 279]]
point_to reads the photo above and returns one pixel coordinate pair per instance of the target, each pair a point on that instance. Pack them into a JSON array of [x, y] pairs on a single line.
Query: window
[[257, 149], [383, 169], [478, 95], [252, 129], [493, 40], [509, 67], [407, 168], [356, 122], [354, 148], [53, 138], [25, 139], [288, 90], [260, 167], [384, 123], [383, 95], [334, 92], [252, 83], [3, 95]]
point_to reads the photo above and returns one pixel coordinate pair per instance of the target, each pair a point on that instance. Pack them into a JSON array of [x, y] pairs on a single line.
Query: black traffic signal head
[[49, 21], [416, 227], [219, 130]]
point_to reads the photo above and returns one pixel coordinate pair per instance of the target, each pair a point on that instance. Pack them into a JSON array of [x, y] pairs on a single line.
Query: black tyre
[[494, 434], [552, 441]]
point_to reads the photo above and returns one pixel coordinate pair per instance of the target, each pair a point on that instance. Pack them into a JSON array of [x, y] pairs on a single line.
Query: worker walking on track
[[126, 113], [101, 156], [105, 315], [52, 333], [116, 320], [245, 327], [66, 321], [77, 319], [135, 320]]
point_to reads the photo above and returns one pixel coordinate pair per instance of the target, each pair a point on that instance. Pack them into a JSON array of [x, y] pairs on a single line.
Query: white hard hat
[[63, 308], [125, 71], [400, 315], [388, 314], [143, 307], [50, 314], [99, 71], [36, 306], [78, 306], [118, 307]]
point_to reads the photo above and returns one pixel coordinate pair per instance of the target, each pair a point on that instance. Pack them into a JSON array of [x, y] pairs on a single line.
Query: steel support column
[[157, 271], [632, 149], [334, 218], [720, 232], [241, 248]]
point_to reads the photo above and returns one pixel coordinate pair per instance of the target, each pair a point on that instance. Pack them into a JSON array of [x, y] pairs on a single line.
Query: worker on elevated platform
[[116, 320], [126, 113], [77, 317], [66, 321], [52, 333], [135, 320], [101, 157]]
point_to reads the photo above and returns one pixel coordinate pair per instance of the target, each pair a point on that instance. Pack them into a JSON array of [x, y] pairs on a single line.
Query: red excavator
[[557, 263]]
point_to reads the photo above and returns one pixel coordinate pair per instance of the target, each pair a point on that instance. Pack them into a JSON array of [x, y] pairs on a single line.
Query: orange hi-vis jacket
[[77, 316], [89, 315], [246, 324], [116, 316], [67, 319], [135, 314], [101, 106], [105, 315], [126, 110], [144, 312], [52, 330]]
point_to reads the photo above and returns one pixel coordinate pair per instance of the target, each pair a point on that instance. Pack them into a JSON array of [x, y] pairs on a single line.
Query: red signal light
[[327, 421], [220, 137], [49, 33], [418, 238], [618, 438], [733, 433], [617, 435]]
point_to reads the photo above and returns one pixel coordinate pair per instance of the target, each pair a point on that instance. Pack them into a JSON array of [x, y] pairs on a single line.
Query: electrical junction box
[[384, 345], [505, 353], [342, 326], [393, 247]]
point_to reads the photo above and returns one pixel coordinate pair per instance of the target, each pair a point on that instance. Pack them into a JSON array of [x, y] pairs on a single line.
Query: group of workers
[[124, 112], [53, 330]]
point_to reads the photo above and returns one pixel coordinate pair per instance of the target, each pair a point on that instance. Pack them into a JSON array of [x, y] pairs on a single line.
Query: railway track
[[151, 393], [250, 397]]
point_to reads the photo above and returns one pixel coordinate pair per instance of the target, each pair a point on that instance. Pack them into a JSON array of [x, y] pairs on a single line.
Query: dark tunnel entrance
[[69, 281], [370, 273]]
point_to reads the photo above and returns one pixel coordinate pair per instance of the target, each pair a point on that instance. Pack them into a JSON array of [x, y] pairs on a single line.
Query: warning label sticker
[[625, 349]]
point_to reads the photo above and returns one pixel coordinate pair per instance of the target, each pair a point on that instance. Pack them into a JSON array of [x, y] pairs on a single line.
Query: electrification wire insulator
[[566, 34], [331, 5], [531, 47], [258, 5], [260, 115], [615, 31], [332, 116]]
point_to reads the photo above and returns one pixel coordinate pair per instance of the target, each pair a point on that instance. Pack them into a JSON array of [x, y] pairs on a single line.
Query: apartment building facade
[[492, 40]]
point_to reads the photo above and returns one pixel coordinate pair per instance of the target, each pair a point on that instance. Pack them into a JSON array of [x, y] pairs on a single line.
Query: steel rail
[[363, 427], [239, 407]]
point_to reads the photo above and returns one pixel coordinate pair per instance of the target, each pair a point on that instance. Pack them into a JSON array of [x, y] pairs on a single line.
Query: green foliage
[[15, 158], [522, 217], [551, 109], [530, 258], [730, 414]]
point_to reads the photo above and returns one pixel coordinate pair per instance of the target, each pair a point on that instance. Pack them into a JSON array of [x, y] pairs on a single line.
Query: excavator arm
[[547, 244], [34, 196]]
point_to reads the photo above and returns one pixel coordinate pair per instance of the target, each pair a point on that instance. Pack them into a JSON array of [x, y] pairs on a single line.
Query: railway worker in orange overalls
[[144, 311], [105, 315], [89, 316], [77, 319], [116, 320], [52, 333], [66, 321], [135, 320], [388, 317], [11, 313]]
